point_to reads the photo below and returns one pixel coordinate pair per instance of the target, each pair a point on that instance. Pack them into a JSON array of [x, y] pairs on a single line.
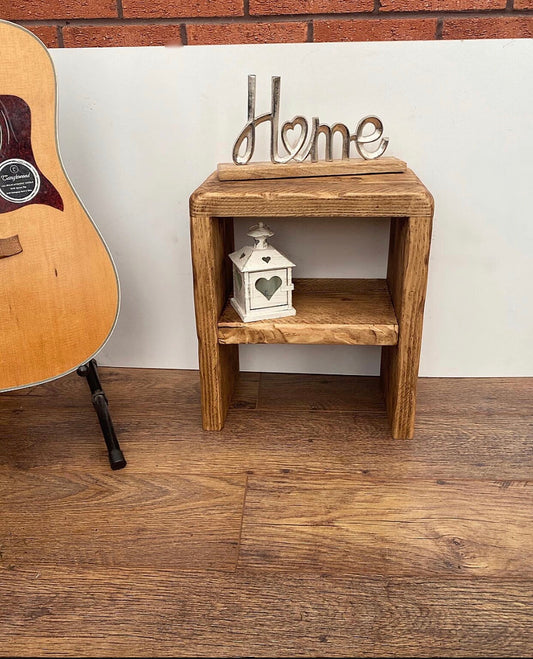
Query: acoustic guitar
[[59, 290]]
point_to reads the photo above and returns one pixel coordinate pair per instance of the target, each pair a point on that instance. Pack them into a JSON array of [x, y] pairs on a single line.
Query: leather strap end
[[10, 246]]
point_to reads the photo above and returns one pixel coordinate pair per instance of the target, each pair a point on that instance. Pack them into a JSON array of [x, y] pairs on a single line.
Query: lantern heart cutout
[[268, 286], [266, 259]]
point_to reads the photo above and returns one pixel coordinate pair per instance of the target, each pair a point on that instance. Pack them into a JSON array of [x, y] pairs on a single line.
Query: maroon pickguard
[[21, 181]]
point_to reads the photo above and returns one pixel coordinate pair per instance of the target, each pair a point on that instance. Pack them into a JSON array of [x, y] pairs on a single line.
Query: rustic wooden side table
[[385, 312]]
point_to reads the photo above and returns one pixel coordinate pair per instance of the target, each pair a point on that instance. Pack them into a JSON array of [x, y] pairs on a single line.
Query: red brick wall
[[87, 23]]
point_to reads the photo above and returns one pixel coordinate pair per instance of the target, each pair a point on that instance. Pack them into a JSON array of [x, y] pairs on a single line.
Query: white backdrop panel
[[141, 128]]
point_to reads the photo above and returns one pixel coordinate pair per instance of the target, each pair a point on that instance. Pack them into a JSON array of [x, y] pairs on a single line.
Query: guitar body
[[59, 291]]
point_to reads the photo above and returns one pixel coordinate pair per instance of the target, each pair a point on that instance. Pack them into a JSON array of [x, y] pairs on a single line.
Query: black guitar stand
[[90, 372]]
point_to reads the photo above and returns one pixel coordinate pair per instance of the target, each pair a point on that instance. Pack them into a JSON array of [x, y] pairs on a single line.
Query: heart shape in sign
[[268, 286], [291, 143]]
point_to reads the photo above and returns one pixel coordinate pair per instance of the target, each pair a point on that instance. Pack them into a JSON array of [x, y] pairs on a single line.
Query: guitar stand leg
[[100, 403]]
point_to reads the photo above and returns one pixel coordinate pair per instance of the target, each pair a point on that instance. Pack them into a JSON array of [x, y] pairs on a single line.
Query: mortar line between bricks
[[120, 10], [444, 15], [183, 34], [59, 34]]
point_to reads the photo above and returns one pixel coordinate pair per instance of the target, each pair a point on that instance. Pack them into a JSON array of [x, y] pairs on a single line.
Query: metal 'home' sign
[[369, 130]]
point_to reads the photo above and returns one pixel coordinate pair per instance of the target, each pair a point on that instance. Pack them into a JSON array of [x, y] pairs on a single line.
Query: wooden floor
[[300, 530]]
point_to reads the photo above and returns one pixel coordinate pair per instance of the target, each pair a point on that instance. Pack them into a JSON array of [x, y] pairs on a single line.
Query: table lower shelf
[[328, 311]]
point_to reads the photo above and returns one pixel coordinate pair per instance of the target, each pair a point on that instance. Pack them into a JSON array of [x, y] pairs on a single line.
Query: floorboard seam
[[238, 557]]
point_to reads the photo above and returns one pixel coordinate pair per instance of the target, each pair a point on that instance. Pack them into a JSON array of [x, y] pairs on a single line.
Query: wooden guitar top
[[59, 291]]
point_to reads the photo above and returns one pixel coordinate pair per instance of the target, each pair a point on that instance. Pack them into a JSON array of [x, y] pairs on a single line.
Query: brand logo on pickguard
[[19, 180]]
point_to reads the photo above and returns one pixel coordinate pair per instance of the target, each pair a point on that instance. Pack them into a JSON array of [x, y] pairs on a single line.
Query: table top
[[396, 194]]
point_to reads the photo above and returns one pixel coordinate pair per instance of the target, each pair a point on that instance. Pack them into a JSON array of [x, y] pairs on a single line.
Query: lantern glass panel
[[268, 289]]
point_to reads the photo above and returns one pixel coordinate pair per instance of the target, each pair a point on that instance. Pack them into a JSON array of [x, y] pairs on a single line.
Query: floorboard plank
[[261, 441], [149, 386], [294, 391], [363, 526], [160, 387], [138, 613], [119, 519], [458, 397], [246, 391]]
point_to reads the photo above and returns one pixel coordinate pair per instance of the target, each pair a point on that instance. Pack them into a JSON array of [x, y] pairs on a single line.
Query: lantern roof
[[261, 256]]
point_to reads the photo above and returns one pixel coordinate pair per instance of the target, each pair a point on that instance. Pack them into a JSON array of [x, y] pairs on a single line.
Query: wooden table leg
[[407, 278], [211, 242]]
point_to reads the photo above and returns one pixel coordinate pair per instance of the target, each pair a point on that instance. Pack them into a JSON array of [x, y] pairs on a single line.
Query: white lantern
[[262, 279]]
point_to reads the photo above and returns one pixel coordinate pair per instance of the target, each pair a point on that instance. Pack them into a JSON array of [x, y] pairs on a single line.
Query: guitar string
[[10, 131]]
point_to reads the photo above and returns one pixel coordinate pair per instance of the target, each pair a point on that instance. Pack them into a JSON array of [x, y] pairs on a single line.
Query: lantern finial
[[260, 233]]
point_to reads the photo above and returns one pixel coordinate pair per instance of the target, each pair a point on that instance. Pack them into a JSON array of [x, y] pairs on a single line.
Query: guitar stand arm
[[100, 403]]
